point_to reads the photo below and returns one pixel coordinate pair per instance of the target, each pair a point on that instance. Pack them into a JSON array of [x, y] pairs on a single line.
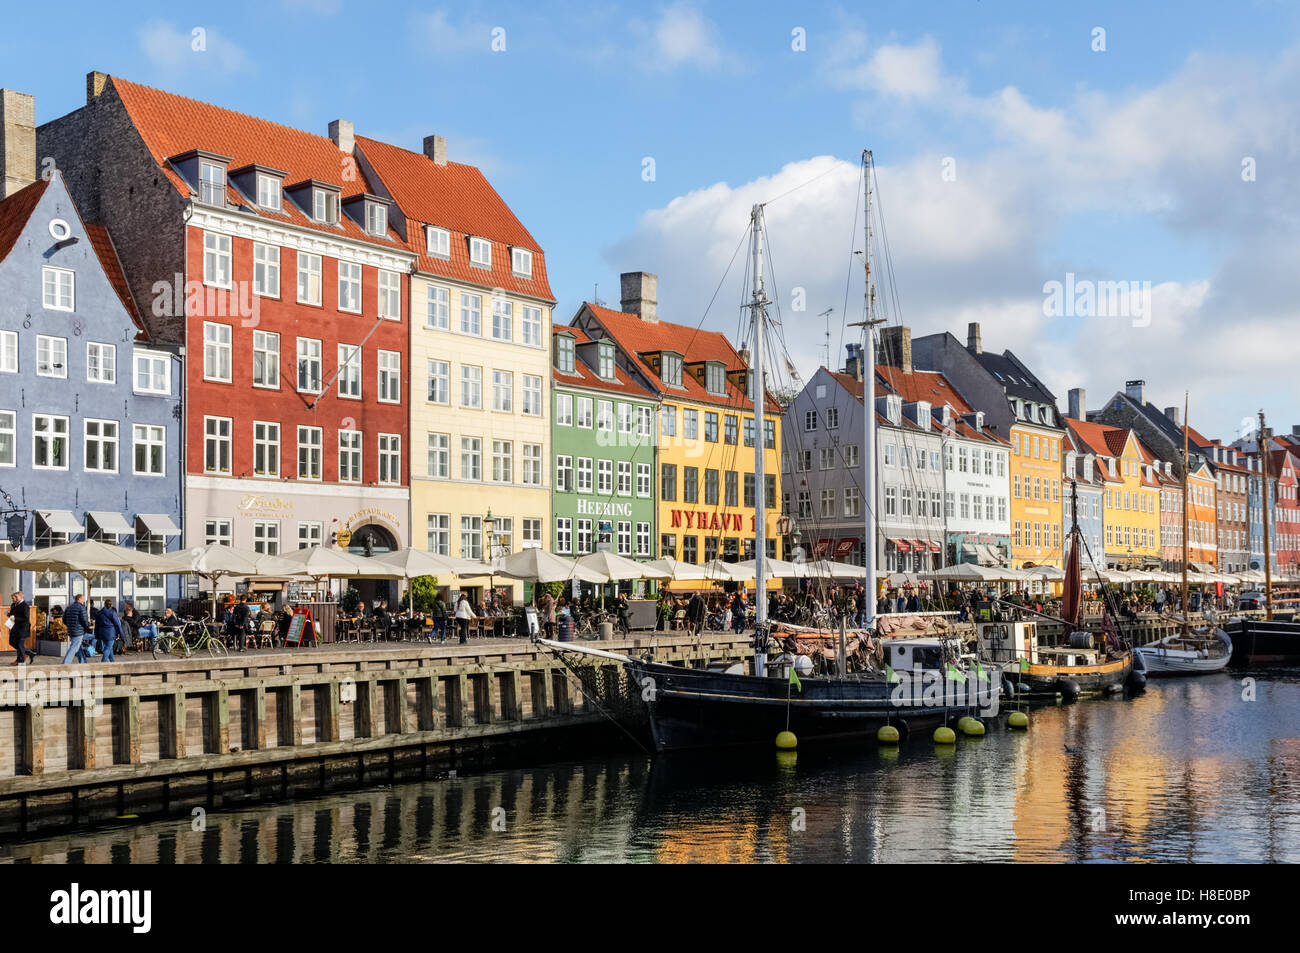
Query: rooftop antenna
[[826, 314]]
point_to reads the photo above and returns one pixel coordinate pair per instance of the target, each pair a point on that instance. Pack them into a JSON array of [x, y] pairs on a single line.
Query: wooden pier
[[170, 735]]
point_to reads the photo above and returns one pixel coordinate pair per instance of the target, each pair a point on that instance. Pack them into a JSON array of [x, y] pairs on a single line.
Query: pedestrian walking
[[77, 621], [20, 628], [238, 625], [464, 613], [108, 629]]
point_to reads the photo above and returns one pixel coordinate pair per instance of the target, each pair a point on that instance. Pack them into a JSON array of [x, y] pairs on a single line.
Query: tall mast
[[1186, 467], [759, 306], [1262, 443], [867, 362]]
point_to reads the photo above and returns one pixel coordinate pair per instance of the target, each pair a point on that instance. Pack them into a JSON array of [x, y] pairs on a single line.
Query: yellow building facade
[[1035, 472]]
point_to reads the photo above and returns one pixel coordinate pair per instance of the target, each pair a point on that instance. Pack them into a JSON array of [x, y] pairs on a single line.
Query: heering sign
[[603, 508]]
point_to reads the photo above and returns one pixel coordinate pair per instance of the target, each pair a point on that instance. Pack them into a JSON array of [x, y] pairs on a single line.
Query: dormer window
[[480, 252], [268, 192], [715, 378], [212, 183], [376, 219], [521, 262], [894, 409], [564, 353], [606, 360], [437, 241], [671, 370], [325, 206]]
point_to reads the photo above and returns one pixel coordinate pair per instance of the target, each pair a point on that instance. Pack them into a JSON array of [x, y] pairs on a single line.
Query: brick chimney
[[17, 141], [896, 347], [1078, 398], [1137, 390], [973, 338], [641, 295], [341, 133], [435, 147], [95, 83], [1172, 414]]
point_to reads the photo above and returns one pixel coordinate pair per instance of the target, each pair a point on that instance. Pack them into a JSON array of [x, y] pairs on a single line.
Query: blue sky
[[1122, 164]]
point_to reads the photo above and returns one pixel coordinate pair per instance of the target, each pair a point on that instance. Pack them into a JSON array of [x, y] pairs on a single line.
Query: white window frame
[[389, 369], [151, 437], [471, 385], [503, 319], [471, 458], [471, 314], [266, 537], [107, 358], [99, 438], [532, 464], [311, 277], [61, 295], [503, 391], [376, 219], [521, 263], [438, 533], [325, 206], [266, 438], [564, 410], [437, 242], [530, 326], [439, 379], [480, 252], [350, 456], [216, 260], [212, 188], [389, 286], [439, 452], [215, 438], [266, 344], [266, 270], [349, 379], [437, 314], [310, 439], [350, 286], [9, 352], [503, 461], [9, 429], [531, 396], [52, 344], [215, 349], [305, 354], [269, 192]]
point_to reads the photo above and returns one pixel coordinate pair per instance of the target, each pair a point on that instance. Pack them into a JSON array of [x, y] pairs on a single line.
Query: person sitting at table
[[130, 621]]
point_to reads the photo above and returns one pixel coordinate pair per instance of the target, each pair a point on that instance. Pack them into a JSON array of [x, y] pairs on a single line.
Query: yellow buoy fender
[[971, 727], [1017, 719], [887, 735], [786, 740], [943, 735]]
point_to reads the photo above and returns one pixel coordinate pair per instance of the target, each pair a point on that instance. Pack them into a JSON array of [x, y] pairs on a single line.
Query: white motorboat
[[1193, 652]]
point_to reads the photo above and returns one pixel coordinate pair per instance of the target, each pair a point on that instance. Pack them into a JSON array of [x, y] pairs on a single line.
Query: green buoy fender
[[1017, 719], [887, 735], [786, 741], [971, 727], [963, 722], [943, 735]]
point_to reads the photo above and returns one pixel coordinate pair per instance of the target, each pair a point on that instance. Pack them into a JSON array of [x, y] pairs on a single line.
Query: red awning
[[902, 545], [823, 546], [935, 547], [845, 546], [919, 545]]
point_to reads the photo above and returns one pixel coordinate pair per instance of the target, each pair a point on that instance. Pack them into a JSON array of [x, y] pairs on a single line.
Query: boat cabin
[[1008, 641], [914, 655], [1066, 655]]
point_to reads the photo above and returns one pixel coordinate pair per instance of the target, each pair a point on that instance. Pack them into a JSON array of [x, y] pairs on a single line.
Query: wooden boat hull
[[692, 708], [1109, 676], [1256, 642]]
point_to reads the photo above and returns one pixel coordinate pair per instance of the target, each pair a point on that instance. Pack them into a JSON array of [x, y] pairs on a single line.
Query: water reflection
[[1193, 771]]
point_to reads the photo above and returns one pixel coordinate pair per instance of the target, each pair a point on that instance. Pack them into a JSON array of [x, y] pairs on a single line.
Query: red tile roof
[[583, 376], [929, 386], [14, 213], [103, 245], [459, 198], [171, 125], [638, 337]]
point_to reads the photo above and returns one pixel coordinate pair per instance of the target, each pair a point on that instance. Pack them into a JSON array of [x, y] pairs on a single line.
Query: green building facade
[[604, 436]]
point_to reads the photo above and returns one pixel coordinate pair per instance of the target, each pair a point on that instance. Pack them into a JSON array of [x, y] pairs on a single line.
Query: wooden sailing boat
[[907, 683], [1082, 664], [1190, 651], [1270, 641]]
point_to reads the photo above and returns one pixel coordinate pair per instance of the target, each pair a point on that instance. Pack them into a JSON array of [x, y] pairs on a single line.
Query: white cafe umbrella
[[321, 561], [617, 567], [86, 557], [968, 572], [214, 561], [749, 569], [413, 563], [719, 571], [537, 565], [679, 571]]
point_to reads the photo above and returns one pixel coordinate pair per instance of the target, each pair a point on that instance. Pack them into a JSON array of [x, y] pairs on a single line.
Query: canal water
[[1194, 770]]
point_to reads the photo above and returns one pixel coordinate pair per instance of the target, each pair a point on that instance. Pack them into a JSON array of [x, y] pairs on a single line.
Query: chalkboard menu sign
[[301, 627]]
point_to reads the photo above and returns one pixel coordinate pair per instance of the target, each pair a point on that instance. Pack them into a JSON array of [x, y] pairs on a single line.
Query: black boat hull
[[1257, 642], [690, 708], [1044, 681]]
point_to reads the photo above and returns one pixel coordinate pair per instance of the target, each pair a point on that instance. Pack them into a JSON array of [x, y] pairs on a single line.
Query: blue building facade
[[1255, 509], [90, 412]]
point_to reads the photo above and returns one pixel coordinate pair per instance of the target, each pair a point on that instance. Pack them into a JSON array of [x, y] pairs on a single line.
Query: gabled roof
[[584, 376], [459, 198], [172, 125], [17, 210], [933, 387], [638, 337], [14, 213]]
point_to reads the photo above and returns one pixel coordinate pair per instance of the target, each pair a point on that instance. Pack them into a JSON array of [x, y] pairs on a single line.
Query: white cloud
[[679, 36], [978, 248], [198, 47], [438, 33]]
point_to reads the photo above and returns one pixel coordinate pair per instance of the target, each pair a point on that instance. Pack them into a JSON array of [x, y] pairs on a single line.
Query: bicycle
[[191, 638], [209, 637], [171, 644]]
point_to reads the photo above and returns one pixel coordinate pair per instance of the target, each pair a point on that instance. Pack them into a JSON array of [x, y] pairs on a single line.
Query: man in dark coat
[[21, 628], [695, 613], [239, 617], [78, 622], [108, 629]]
